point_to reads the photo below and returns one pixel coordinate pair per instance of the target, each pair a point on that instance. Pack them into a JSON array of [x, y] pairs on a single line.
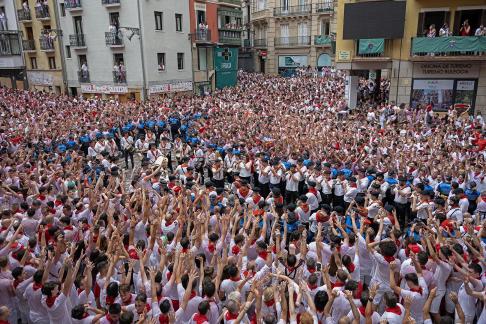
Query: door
[[115, 19], [78, 25], [262, 65]]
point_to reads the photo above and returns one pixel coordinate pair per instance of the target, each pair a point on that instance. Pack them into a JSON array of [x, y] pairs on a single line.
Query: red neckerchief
[[313, 191], [168, 275], [362, 310], [351, 267], [263, 255], [109, 300], [270, 303], [230, 316], [320, 217], [109, 319], [305, 208], [193, 294], [395, 310], [256, 199], [311, 270], [68, 228], [199, 318], [417, 290], [235, 278], [184, 250], [16, 283], [312, 287], [41, 197], [249, 274], [168, 223], [211, 247], [235, 249], [50, 300], [337, 284], [353, 185], [147, 308], [243, 191], [163, 319], [278, 200], [389, 259], [36, 286]]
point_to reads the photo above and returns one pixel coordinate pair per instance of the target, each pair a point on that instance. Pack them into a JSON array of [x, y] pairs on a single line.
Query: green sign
[[421, 45], [371, 46], [226, 66]]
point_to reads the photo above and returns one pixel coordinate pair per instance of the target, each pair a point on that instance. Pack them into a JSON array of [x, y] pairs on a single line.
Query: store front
[[288, 64], [443, 85], [108, 92]]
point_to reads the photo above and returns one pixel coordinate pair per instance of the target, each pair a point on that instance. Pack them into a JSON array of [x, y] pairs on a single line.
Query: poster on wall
[[465, 94], [438, 93]]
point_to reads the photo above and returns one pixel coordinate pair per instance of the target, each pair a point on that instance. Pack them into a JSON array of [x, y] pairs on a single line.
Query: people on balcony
[[25, 6], [3, 20], [432, 32], [119, 72], [480, 31], [84, 71], [444, 31], [465, 29]]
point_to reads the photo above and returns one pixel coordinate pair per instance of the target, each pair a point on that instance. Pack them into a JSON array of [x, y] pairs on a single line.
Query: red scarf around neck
[[50, 300], [313, 191], [263, 255], [389, 259], [270, 303], [395, 310], [230, 316]]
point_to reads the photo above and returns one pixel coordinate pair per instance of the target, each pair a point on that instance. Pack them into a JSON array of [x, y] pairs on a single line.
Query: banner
[[425, 45], [322, 40], [107, 89], [371, 46], [226, 66], [292, 61], [180, 86]]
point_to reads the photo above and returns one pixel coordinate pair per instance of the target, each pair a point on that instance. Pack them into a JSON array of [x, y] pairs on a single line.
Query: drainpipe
[[61, 45], [21, 38], [144, 81]]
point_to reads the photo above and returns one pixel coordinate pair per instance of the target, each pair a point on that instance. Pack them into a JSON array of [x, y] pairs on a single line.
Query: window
[[325, 27], [68, 51], [180, 61], [202, 61], [115, 18], [33, 63], [201, 16], [158, 20], [161, 62], [63, 9], [52, 63], [178, 18]]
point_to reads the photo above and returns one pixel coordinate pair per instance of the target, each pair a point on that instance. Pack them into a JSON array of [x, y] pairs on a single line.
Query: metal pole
[[61, 45], [398, 79], [144, 82], [21, 36]]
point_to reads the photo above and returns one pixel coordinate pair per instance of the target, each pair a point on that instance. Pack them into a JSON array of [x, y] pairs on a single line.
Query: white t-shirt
[[58, 312]]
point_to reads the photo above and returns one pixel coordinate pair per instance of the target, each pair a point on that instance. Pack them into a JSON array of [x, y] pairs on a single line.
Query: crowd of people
[[256, 204]]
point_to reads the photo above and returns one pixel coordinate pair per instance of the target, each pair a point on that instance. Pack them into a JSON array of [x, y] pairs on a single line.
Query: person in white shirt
[[128, 147], [394, 312], [402, 194], [292, 178], [153, 153]]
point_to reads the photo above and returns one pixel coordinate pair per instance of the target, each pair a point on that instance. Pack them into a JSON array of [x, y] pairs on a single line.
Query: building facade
[[216, 35], [12, 72], [439, 61], [127, 49], [287, 34], [41, 44]]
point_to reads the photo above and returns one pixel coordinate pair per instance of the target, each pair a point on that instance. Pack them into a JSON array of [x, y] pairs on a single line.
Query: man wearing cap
[[402, 194]]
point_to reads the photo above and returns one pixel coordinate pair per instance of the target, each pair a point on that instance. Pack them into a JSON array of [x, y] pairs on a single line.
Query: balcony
[[24, 15], [42, 13], [46, 44], [83, 76], [292, 41], [322, 40], [73, 5], [201, 36], [324, 7], [119, 77], [231, 2], [293, 10], [77, 41], [260, 42], [113, 40], [230, 36], [260, 14], [9, 43], [111, 3], [28, 45], [457, 48], [373, 49]]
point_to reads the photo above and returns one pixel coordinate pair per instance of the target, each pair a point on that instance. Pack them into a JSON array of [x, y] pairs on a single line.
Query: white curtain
[[303, 32], [284, 33]]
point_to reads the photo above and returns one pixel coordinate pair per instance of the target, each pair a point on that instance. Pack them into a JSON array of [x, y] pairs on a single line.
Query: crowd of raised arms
[[269, 202]]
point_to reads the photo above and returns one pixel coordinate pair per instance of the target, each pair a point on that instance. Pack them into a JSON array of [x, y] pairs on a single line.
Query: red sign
[[263, 53]]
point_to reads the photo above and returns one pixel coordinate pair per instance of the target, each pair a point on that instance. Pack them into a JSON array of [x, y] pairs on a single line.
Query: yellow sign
[[344, 55]]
